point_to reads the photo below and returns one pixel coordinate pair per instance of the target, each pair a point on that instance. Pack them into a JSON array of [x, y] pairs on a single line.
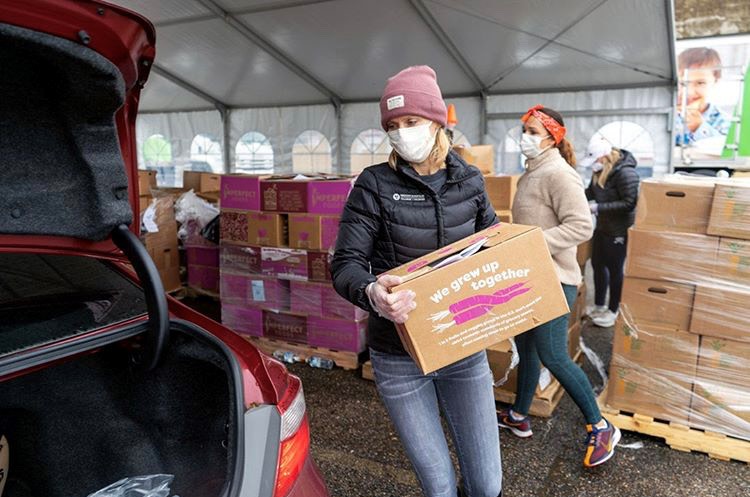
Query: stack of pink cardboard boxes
[[202, 261], [276, 234]]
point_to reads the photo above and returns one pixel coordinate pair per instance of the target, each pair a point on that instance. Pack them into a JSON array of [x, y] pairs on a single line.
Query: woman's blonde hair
[[439, 150], [608, 163]]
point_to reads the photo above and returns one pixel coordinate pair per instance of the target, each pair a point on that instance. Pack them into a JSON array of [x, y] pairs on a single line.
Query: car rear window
[[47, 298]]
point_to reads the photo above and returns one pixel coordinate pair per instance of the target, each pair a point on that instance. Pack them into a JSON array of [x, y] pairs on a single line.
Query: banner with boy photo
[[712, 118]]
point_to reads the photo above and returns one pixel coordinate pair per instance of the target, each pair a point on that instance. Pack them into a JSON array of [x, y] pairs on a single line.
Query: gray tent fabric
[[61, 169]]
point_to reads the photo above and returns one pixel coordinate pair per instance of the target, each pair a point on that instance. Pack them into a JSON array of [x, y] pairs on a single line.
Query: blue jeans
[[463, 391], [548, 343]]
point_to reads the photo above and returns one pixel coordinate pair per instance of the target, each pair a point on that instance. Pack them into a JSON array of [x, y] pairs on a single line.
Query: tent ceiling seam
[[268, 47], [434, 26], [622, 63], [158, 69], [269, 7], [511, 69]]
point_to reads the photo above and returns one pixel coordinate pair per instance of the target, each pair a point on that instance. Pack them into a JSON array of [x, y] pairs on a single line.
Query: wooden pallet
[[345, 360], [678, 436]]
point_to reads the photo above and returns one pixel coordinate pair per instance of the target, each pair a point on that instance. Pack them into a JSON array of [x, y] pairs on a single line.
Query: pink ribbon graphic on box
[[470, 308]]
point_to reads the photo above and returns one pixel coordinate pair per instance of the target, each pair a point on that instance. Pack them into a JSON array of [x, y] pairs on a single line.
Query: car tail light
[[295, 437]]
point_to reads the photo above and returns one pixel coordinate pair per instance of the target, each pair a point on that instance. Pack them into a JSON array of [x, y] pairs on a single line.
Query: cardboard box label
[[283, 326], [509, 286], [284, 263], [316, 196], [240, 259], [240, 192]]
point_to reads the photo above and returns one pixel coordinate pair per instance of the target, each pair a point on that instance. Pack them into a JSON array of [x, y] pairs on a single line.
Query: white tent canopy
[[280, 68]]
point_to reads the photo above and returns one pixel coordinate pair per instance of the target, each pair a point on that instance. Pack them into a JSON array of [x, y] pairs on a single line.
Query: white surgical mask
[[597, 166], [531, 145], [413, 144]]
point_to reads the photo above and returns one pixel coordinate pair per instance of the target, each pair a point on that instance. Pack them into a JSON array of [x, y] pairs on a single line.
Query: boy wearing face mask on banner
[[424, 198], [550, 195], [612, 194]]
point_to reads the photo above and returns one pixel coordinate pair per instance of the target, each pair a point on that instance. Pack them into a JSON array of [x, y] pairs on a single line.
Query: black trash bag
[[212, 230]]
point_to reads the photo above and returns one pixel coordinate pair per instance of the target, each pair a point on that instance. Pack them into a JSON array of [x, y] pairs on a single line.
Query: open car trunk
[[75, 427]]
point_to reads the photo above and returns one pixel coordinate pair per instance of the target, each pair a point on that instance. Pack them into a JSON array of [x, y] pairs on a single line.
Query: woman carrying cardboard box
[[550, 195], [424, 198]]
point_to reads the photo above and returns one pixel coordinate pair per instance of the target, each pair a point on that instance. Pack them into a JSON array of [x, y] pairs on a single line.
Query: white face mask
[[531, 145], [413, 144], [597, 166]]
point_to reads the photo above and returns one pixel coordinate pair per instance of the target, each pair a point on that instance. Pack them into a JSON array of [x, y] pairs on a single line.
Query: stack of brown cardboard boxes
[[276, 233], [682, 343], [160, 233]]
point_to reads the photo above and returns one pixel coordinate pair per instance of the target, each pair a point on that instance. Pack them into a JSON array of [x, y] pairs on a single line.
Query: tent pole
[[482, 117], [338, 107], [227, 144]]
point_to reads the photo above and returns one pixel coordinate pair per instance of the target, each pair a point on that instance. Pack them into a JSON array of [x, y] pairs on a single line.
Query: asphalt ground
[[359, 453]]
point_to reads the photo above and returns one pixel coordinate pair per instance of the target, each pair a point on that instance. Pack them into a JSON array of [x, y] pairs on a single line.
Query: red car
[[102, 375]]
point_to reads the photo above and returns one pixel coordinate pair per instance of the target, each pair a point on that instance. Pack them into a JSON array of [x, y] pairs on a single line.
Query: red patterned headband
[[555, 129]]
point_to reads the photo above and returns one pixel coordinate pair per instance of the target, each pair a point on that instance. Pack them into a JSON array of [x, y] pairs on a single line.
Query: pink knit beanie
[[413, 92]]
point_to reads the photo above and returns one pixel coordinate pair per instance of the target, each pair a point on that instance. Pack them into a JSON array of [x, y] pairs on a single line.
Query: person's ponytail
[[567, 152]]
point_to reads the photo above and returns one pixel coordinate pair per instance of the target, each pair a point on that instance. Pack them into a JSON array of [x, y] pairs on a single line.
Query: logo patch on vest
[[407, 197]]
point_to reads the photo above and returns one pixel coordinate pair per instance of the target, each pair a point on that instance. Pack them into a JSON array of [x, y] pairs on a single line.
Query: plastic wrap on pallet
[[336, 334], [668, 373], [676, 203], [730, 209], [255, 291]]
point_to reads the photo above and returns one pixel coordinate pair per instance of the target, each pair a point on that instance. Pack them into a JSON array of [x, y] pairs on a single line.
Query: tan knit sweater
[[550, 195]]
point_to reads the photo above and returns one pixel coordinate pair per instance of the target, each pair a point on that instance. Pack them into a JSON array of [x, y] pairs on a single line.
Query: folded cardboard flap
[[494, 235]]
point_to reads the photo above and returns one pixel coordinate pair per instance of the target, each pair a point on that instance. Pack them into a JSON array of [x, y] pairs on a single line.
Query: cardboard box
[[167, 259], [203, 256], [319, 195], [233, 226], [583, 252], [257, 291], [337, 334], [504, 216], [337, 307], [724, 362], [508, 287], [204, 277], [481, 156], [721, 409], [650, 393], [730, 211], [307, 297], [243, 320], [239, 259], [313, 231], [574, 340], [657, 303], [501, 190], [733, 262], [678, 257], [146, 181], [240, 191], [285, 326], [284, 263], [162, 244], [318, 266], [201, 182], [143, 202], [267, 229], [675, 204], [662, 350], [721, 312], [579, 306]]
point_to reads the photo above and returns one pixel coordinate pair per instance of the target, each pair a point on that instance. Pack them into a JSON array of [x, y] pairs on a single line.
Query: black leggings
[[607, 259]]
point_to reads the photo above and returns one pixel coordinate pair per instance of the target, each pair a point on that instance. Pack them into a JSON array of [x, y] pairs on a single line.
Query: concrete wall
[[699, 18]]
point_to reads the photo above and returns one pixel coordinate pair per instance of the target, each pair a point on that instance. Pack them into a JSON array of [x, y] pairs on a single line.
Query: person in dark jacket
[[424, 198], [612, 195]]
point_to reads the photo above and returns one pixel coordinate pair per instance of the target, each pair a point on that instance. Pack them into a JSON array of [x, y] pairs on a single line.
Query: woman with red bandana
[[550, 195]]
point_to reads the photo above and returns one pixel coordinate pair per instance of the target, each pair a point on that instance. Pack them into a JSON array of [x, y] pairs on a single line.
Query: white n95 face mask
[[413, 144], [597, 166], [531, 145]]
